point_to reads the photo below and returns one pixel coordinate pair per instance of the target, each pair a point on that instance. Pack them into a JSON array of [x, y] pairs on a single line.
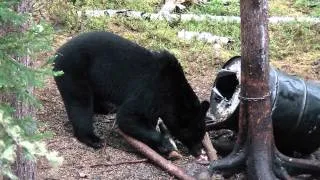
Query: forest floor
[[294, 48]]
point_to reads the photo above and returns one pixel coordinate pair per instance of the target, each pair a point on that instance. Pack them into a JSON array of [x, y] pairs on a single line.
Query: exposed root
[[296, 166], [281, 173], [234, 161], [223, 148], [284, 167]]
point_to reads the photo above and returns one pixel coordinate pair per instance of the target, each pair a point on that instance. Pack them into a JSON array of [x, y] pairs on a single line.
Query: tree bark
[[23, 168], [255, 107]]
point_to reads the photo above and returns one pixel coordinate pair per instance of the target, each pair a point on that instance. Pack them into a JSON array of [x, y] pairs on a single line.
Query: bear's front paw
[[174, 155], [168, 149]]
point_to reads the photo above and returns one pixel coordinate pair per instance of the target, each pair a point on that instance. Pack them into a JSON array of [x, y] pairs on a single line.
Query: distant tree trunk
[[24, 169]]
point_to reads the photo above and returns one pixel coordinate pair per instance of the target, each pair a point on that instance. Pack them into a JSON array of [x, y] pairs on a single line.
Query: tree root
[[234, 161], [294, 166], [283, 167]]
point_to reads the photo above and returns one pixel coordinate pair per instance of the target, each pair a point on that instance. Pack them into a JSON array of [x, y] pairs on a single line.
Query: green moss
[[138, 5]]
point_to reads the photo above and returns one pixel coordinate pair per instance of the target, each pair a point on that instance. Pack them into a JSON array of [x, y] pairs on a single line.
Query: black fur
[[102, 68]]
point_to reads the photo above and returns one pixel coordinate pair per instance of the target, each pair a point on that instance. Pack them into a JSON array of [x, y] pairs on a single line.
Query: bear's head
[[181, 109], [192, 128]]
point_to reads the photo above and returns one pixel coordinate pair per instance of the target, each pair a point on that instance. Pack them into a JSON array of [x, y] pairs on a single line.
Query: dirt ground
[[117, 160]]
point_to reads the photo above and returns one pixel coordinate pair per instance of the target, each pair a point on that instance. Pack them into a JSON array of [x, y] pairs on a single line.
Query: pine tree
[[21, 39]]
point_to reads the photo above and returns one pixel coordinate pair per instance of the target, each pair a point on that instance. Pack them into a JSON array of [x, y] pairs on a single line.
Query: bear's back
[[92, 47]]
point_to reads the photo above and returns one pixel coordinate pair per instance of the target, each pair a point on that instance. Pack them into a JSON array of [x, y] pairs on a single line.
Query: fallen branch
[[204, 36], [211, 152], [157, 16], [189, 17], [119, 163], [156, 158]]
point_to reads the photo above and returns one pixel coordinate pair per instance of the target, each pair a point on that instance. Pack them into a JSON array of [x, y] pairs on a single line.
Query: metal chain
[[254, 98]]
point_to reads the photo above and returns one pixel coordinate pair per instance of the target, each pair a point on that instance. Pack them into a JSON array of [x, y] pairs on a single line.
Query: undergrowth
[[289, 43]]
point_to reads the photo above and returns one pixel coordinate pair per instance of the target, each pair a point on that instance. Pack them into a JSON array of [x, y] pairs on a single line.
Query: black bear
[[102, 68]]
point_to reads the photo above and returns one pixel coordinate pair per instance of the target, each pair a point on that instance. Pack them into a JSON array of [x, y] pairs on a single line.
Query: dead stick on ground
[[156, 158], [120, 163], [211, 152]]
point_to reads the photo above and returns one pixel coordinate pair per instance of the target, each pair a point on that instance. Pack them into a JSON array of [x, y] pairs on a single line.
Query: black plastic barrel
[[295, 107]]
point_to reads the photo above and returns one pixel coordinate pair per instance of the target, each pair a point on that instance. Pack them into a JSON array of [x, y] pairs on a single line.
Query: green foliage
[[219, 8], [66, 12], [231, 30], [163, 35], [311, 6], [137, 5], [61, 12], [7, 15], [146, 33], [96, 23], [15, 45], [16, 80], [276, 7], [14, 134], [294, 39]]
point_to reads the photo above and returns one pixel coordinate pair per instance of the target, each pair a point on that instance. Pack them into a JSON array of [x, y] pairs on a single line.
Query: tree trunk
[[23, 168], [255, 107]]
